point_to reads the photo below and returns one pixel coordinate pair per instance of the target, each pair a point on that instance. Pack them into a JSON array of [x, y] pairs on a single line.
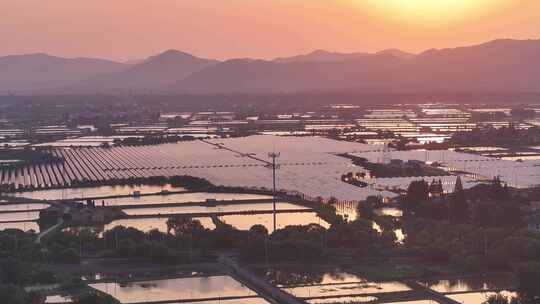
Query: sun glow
[[430, 12]]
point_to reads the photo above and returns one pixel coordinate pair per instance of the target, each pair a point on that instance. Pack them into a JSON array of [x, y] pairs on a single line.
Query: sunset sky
[[132, 29]]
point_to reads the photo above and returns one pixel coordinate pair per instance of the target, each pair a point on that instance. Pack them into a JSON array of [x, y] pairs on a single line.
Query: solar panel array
[[308, 165]]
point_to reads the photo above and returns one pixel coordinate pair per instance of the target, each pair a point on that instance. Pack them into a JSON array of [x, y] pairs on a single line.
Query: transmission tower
[[386, 156], [274, 166]]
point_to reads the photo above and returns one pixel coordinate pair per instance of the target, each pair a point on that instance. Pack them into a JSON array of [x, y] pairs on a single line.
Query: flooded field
[[237, 301], [348, 210], [350, 299], [181, 198], [346, 289], [400, 236], [391, 211], [57, 299], [83, 141], [147, 224], [415, 302], [245, 222], [24, 226], [191, 288], [477, 297], [19, 216], [308, 165], [222, 208], [77, 193], [307, 276], [335, 285], [516, 174], [19, 207], [474, 283]]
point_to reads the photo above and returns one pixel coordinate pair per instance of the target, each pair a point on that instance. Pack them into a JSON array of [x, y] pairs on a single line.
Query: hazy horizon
[[135, 60], [126, 30]]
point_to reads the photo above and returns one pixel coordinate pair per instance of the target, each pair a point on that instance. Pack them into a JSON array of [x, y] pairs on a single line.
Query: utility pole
[[274, 166]]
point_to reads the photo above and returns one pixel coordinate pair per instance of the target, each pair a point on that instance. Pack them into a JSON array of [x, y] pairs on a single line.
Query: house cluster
[[87, 213]]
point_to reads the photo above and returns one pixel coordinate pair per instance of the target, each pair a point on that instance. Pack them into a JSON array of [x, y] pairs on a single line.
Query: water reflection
[[147, 224], [346, 289], [180, 198], [222, 208], [376, 227], [19, 216], [291, 277], [57, 299], [236, 301], [354, 299], [400, 236], [415, 302], [347, 210], [391, 211], [24, 226], [477, 297], [176, 289], [18, 207], [77, 193], [245, 222], [475, 283]]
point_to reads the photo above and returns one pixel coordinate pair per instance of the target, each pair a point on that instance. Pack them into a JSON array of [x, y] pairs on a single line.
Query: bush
[[92, 297]]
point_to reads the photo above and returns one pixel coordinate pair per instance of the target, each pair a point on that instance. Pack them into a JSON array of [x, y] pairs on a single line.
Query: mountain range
[[499, 65]]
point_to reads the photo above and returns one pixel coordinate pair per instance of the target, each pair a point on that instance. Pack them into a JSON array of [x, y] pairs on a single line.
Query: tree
[[328, 213], [498, 299], [528, 277], [332, 200], [183, 226], [94, 297], [366, 209], [459, 209], [417, 194], [256, 246], [13, 294], [258, 231], [374, 200]]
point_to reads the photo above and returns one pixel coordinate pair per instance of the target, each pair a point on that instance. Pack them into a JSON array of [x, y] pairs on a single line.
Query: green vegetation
[[187, 240], [93, 297], [505, 136], [490, 205], [528, 292], [445, 230], [13, 294], [24, 263], [186, 181], [480, 229]]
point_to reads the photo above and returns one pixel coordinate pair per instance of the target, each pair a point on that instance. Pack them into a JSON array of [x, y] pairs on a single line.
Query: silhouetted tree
[[458, 207], [183, 226], [528, 277], [92, 297], [417, 193]]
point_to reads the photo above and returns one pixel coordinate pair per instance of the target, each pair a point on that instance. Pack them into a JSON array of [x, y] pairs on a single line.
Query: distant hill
[[396, 53], [321, 56], [153, 73], [325, 56], [38, 71], [500, 65], [259, 76]]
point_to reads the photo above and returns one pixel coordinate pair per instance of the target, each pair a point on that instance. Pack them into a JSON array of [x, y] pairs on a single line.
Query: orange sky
[[127, 29]]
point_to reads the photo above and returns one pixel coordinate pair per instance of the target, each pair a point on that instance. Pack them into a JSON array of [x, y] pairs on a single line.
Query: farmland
[[308, 165]]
